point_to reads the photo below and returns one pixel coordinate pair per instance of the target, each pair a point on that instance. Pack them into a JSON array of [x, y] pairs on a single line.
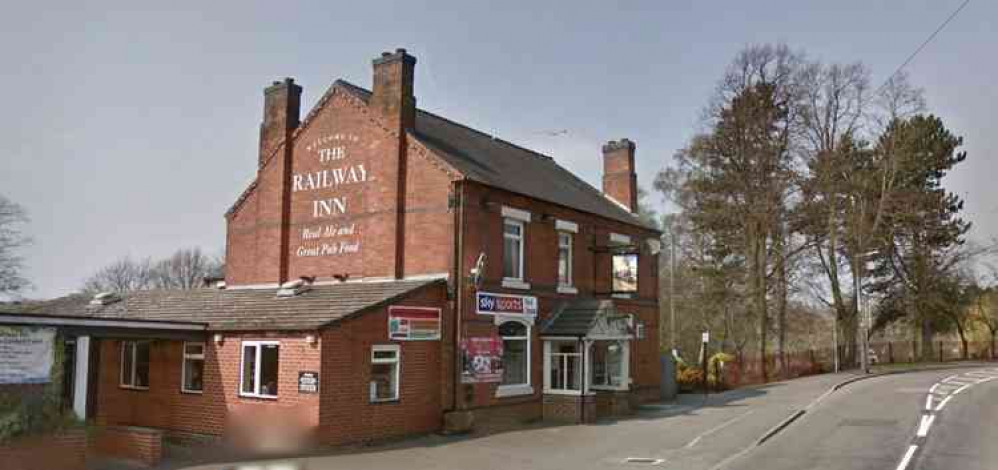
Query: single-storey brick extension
[[389, 272]]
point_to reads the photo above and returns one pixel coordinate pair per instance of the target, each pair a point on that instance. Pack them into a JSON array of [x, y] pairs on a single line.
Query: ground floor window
[[565, 366], [135, 364], [515, 353], [385, 361], [260, 360], [609, 359], [193, 368]]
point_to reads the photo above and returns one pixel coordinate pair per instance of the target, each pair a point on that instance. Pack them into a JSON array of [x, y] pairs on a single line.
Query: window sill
[[515, 284], [622, 296], [386, 401], [574, 393], [610, 388], [133, 387], [261, 397], [192, 392], [514, 391], [567, 290]]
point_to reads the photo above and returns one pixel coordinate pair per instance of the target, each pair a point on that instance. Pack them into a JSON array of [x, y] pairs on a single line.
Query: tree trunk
[[781, 299], [928, 355]]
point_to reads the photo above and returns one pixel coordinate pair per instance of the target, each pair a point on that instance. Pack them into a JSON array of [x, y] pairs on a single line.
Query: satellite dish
[[478, 272]]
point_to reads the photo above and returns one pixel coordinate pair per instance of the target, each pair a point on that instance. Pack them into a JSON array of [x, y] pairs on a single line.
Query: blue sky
[[129, 128]]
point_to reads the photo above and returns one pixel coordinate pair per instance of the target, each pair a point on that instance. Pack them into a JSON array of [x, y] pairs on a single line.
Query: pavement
[[838, 421]]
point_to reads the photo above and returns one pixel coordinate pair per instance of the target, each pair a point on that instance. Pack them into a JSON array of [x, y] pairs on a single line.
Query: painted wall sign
[[308, 382], [26, 355], [481, 359], [325, 187], [413, 323], [625, 273], [489, 304]]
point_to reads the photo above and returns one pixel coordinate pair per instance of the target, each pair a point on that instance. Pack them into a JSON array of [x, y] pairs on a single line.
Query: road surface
[[943, 419], [937, 419]]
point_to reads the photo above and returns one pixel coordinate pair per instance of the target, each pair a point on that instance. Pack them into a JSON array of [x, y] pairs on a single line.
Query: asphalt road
[[872, 423], [920, 420]]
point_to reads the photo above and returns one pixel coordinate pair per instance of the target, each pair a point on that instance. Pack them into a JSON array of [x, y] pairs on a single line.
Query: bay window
[[135, 364], [565, 367], [609, 364], [259, 369]]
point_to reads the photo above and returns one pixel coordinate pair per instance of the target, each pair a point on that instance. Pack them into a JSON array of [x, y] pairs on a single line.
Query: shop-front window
[[512, 253], [135, 364], [609, 364], [259, 369], [384, 372], [193, 368], [515, 353], [565, 361]]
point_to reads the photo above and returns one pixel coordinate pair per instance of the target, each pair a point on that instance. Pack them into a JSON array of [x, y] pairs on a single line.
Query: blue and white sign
[[26, 355], [506, 304]]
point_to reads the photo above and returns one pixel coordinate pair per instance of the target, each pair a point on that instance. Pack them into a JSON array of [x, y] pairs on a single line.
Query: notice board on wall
[[26, 355], [413, 323]]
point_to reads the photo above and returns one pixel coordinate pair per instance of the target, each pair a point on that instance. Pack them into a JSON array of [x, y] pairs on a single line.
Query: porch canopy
[[586, 348]]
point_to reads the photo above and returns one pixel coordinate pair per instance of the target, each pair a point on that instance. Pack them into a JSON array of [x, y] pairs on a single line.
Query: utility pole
[[672, 288]]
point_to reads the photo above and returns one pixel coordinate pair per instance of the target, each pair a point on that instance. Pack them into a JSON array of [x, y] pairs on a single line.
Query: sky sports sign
[[505, 304]]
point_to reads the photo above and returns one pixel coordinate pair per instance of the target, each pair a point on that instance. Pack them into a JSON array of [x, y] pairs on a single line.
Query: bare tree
[[123, 275], [187, 268], [12, 239]]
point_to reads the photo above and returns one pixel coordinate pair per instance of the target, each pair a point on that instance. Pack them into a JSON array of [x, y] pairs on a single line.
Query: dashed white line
[[928, 402], [907, 457], [717, 428], [944, 402]]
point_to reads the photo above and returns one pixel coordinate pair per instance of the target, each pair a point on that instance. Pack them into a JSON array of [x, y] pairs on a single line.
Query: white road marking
[[957, 391], [717, 428], [944, 402], [928, 402], [933, 388], [907, 457], [923, 427]]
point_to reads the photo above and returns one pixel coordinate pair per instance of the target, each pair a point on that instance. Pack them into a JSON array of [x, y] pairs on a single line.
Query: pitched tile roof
[[234, 309], [497, 163]]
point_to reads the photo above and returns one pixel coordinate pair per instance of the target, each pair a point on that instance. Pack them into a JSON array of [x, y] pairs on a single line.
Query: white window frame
[[511, 390], [567, 287], [549, 358], [258, 347], [132, 372], [517, 281], [397, 361], [625, 367], [183, 365]]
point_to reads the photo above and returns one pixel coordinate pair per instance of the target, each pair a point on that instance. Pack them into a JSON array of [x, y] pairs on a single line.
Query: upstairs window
[[135, 364], [193, 368], [564, 259], [260, 364], [512, 253]]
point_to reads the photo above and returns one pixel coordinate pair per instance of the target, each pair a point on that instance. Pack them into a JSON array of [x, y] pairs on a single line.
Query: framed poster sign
[[308, 382], [26, 355], [625, 273], [413, 323], [506, 304], [481, 359]]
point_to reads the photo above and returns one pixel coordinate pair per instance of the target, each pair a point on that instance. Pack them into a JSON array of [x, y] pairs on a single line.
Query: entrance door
[[68, 373]]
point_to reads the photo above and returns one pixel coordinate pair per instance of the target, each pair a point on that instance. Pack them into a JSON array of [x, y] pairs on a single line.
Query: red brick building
[[389, 272]]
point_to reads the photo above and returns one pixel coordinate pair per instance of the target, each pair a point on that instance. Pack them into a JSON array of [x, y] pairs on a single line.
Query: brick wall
[[219, 407], [346, 414], [142, 445], [570, 408], [65, 450]]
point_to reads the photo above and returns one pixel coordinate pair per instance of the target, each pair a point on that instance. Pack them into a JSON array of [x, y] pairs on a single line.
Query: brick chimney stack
[[620, 182], [281, 109], [392, 93]]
